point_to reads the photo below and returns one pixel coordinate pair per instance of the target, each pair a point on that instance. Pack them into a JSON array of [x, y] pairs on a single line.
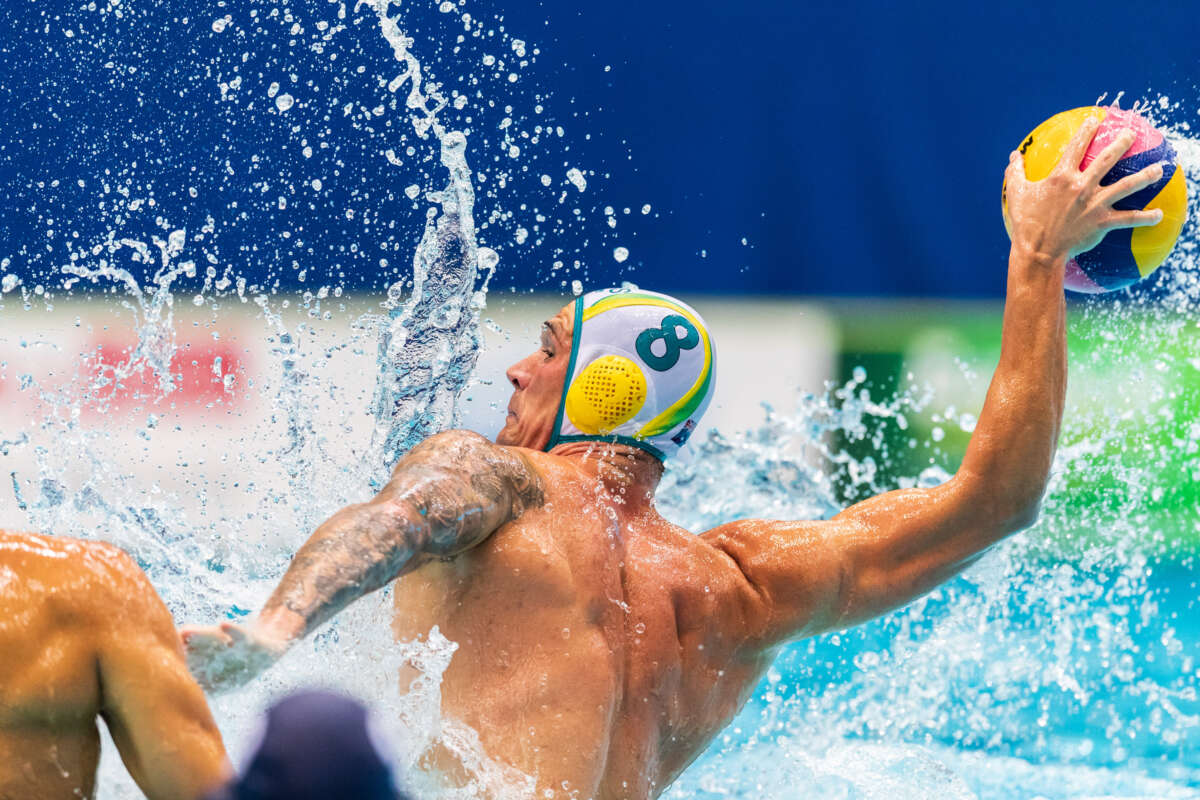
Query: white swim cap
[[641, 372]]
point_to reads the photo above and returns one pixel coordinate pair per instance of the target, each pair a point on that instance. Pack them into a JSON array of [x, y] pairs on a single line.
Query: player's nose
[[516, 375]]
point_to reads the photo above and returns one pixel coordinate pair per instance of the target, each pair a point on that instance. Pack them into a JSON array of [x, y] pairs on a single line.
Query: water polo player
[[84, 635], [600, 647]]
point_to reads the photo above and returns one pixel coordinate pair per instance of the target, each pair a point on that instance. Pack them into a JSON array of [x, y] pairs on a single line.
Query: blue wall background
[[856, 147]]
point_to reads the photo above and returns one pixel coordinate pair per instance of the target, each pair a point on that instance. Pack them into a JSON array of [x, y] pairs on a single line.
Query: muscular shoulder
[[712, 598], [455, 442], [456, 488], [459, 446], [754, 543], [70, 596], [481, 460], [117, 578], [794, 567], [82, 579]]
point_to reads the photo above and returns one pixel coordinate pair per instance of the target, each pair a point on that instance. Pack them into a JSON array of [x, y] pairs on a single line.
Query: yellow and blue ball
[[1125, 255]]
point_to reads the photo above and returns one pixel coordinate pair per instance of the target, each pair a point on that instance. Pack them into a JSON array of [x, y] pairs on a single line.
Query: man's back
[[49, 689], [82, 635], [599, 645]]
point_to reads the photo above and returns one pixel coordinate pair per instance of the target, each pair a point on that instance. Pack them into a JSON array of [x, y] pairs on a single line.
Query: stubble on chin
[[505, 437]]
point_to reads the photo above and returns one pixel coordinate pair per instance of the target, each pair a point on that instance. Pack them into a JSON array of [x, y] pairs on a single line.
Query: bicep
[[155, 711]]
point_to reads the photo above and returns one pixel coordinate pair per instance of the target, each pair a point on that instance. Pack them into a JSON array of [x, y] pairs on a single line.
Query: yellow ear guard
[[608, 392]]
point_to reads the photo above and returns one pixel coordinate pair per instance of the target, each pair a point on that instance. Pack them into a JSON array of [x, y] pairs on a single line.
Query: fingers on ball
[[1136, 219], [1077, 147], [1016, 167], [1134, 183], [1111, 154]]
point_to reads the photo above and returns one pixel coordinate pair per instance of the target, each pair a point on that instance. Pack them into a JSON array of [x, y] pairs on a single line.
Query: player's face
[[537, 383]]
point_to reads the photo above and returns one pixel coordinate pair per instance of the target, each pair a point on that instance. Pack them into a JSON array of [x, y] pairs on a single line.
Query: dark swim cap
[[315, 747]]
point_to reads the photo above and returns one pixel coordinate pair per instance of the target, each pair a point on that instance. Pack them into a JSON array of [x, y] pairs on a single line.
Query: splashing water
[[1064, 664], [426, 347], [429, 347]]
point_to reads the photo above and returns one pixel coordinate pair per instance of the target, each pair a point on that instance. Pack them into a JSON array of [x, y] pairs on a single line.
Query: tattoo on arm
[[447, 495]]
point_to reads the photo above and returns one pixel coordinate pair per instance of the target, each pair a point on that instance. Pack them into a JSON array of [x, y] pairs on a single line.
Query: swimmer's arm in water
[[811, 577], [446, 496], [154, 709]]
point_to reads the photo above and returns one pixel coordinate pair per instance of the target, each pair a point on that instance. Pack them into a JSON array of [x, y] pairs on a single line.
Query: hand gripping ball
[[1124, 255]]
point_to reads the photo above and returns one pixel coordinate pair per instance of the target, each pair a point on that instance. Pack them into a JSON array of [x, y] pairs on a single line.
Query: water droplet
[[488, 259], [620, 254], [577, 179], [284, 101]]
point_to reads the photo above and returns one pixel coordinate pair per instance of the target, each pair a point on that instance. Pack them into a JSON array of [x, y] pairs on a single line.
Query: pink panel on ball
[[1077, 280], [1115, 121]]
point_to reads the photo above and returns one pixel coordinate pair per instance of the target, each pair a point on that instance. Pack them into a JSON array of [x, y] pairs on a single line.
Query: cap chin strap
[[556, 437], [576, 335], [611, 438]]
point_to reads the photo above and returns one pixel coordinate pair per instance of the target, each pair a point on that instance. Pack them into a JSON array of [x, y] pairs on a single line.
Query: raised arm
[[880, 554], [156, 713], [447, 495]]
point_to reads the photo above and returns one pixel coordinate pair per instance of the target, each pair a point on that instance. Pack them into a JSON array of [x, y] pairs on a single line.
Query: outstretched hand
[[1069, 212], [223, 657]]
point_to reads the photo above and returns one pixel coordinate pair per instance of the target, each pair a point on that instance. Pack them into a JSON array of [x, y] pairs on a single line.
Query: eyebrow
[[553, 327]]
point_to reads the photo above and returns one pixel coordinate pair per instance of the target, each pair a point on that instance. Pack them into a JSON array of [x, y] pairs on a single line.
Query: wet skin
[[601, 648], [83, 635]]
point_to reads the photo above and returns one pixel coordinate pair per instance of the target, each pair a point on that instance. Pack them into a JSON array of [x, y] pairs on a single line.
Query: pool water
[[1064, 664]]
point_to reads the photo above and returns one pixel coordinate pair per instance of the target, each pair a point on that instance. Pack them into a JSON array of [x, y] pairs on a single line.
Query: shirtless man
[[83, 634], [601, 647]]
